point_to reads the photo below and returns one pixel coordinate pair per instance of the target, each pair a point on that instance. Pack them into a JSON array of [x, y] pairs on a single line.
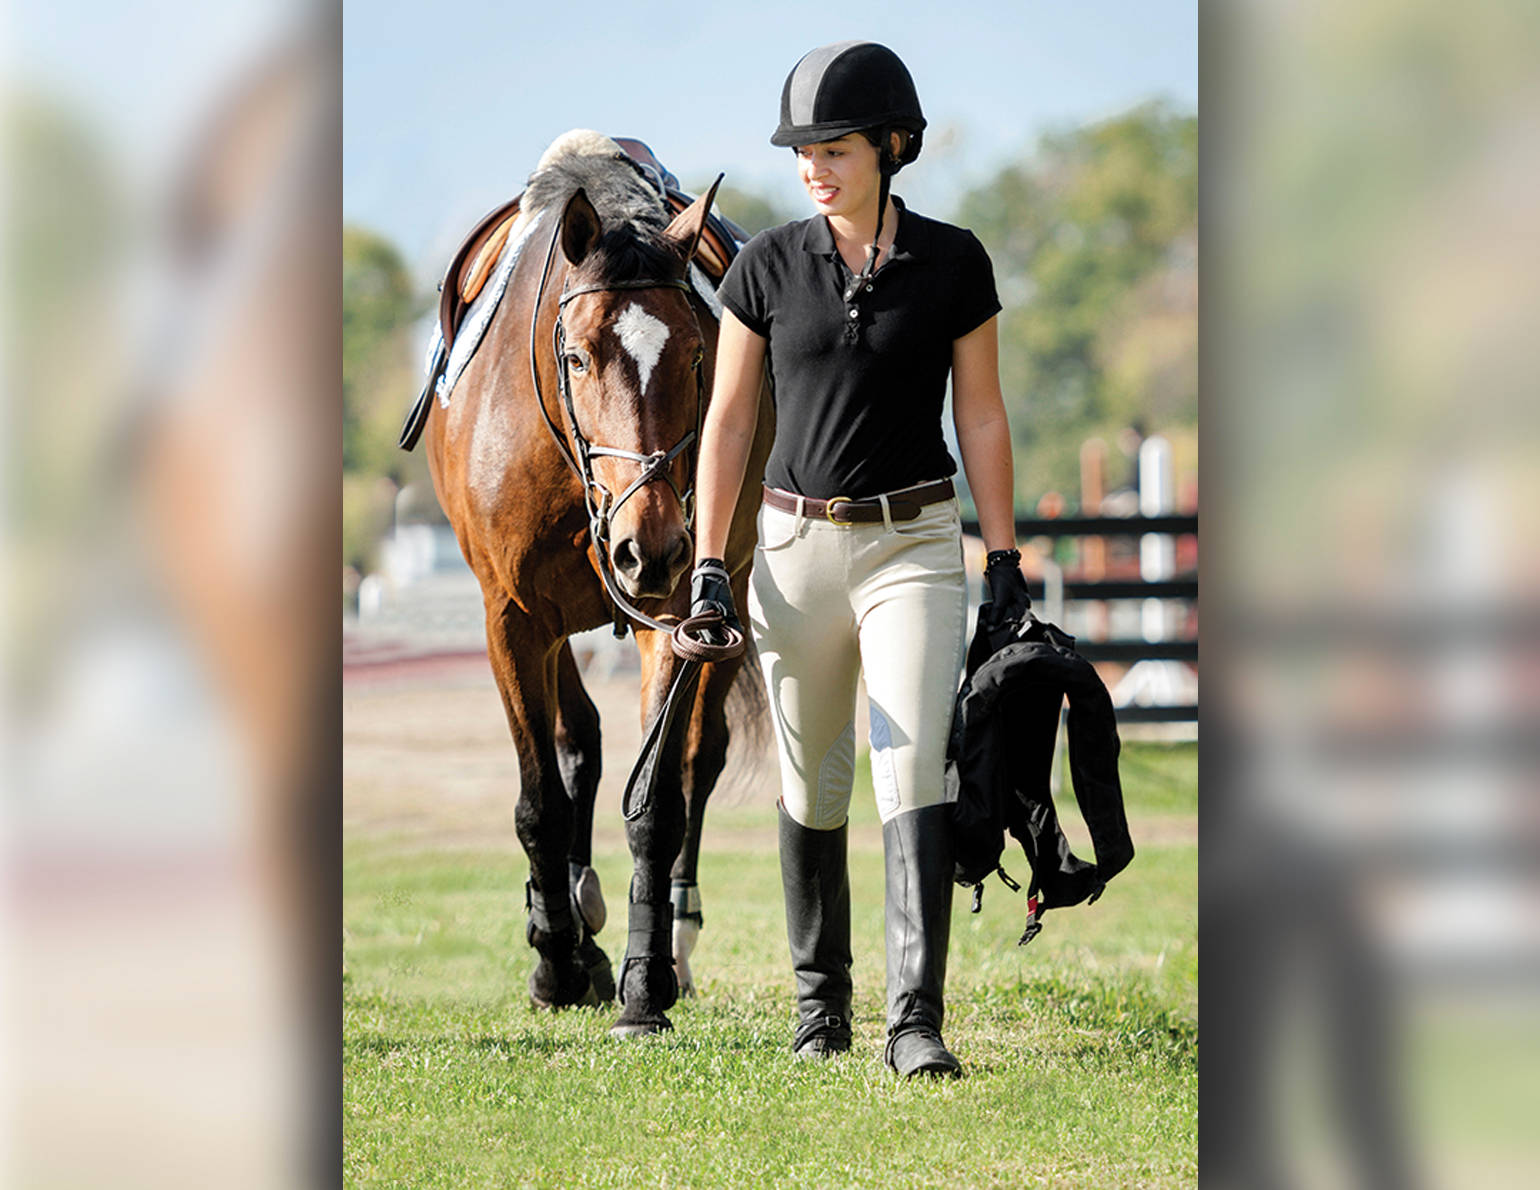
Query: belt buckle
[[828, 509]]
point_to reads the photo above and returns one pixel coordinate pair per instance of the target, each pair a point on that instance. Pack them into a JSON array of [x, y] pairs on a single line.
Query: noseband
[[655, 466]]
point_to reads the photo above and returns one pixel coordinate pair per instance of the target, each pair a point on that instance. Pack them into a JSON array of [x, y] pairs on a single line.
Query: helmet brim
[[813, 134]]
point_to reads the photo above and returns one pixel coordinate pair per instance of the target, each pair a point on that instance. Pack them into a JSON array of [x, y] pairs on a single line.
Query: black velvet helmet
[[849, 86]]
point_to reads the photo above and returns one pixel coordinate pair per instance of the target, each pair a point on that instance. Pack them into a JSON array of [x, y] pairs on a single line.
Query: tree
[[751, 211], [378, 308], [1094, 242]]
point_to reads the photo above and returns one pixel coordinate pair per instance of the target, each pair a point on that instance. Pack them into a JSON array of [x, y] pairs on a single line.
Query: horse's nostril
[[681, 553], [625, 557]]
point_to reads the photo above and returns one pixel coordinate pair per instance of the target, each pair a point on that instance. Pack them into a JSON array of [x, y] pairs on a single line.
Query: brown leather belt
[[903, 505]]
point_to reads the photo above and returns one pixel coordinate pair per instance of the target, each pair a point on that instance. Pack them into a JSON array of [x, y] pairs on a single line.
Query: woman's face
[[840, 175]]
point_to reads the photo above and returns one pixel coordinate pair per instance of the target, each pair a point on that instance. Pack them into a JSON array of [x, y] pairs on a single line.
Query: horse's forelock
[[630, 254]]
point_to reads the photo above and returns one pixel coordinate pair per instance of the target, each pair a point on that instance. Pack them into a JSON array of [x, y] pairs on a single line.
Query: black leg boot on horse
[[588, 905], [554, 984], [648, 986], [545, 819], [917, 847], [816, 883], [580, 757], [560, 979]]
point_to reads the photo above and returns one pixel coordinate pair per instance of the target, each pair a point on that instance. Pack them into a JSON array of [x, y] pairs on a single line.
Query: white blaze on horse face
[[643, 337]]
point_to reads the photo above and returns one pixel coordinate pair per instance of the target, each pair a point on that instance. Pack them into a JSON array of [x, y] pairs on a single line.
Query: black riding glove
[[1009, 600], [710, 588]]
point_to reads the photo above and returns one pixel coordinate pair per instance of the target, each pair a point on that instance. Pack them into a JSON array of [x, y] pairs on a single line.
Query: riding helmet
[[849, 86]]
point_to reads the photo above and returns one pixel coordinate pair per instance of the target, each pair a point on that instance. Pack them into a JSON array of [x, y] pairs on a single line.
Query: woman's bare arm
[[727, 434], [983, 435]]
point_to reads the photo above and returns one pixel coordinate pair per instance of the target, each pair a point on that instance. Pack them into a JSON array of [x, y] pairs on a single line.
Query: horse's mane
[[632, 213]]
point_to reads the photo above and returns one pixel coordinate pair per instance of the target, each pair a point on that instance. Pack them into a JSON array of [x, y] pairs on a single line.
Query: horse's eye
[[576, 363]]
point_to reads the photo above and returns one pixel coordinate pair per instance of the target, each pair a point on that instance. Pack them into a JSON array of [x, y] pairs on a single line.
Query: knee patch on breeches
[[821, 800]]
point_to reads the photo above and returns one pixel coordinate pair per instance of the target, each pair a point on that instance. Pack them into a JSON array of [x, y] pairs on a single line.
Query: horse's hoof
[[589, 999], [625, 1030], [547, 991], [589, 898], [683, 974], [649, 989], [686, 933], [600, 973]]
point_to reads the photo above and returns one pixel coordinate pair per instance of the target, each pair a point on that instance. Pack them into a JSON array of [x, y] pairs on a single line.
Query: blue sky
[[447, 108]]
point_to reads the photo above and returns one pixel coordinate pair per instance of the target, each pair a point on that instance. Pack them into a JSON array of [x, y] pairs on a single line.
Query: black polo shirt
[[858, 406]]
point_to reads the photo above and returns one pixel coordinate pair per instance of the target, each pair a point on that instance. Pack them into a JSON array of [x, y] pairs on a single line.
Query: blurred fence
[[1164, 699]]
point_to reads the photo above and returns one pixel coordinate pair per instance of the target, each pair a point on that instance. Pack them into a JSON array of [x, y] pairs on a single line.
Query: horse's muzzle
[[650, 573]]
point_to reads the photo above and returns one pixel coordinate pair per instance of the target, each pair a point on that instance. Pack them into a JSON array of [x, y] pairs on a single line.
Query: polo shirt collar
[[818, 237]]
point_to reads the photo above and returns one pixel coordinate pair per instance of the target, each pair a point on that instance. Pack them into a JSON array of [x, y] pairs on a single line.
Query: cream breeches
[[828, 602]]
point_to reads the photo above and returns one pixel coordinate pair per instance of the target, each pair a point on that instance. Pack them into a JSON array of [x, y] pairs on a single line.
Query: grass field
[[1081, 1049]]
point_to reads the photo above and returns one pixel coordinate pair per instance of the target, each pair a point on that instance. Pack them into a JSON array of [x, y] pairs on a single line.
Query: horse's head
[[635, 364]]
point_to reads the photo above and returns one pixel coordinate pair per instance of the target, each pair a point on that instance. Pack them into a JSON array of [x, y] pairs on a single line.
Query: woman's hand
[[710, 590], [1008, 598]]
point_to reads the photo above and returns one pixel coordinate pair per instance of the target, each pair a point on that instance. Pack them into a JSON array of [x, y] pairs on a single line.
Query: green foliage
[[750, 211], [368, 502], [378, 309], [63, 246], [1094, 242], [66, 217], [380, 376]]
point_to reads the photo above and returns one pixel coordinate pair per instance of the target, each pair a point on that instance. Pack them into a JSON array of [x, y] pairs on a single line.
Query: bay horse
[[597, 363]]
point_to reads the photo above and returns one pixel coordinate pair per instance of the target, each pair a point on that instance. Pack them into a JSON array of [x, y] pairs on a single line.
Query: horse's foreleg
[[648, 985], [705, 754], [526, 678], [579, 756]]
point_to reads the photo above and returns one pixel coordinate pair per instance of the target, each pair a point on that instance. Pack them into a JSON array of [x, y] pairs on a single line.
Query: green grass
[[1159, 779], [1081, 1048]]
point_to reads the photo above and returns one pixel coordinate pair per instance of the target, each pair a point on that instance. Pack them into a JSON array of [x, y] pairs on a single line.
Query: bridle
[[599, 502], [655, 466]]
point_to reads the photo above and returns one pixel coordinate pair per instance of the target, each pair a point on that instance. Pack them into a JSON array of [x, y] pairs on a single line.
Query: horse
[[567, 449]]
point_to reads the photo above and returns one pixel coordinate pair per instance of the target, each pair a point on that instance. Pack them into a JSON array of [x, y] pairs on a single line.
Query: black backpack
[[999, 760]]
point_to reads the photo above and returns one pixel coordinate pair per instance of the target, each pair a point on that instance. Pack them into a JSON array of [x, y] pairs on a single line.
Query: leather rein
[[599, 502]]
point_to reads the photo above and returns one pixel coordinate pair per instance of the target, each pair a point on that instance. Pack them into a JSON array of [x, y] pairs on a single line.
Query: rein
[[654, 467]]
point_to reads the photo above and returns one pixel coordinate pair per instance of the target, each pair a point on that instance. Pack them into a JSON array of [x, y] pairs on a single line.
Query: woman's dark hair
[[879, 137]]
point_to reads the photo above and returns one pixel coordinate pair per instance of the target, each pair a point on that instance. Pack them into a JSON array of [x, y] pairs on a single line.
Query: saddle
[[474, 260]]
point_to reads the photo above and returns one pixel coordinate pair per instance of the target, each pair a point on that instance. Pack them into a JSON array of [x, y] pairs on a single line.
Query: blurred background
[[174, 651], [171, 723], [1370, 914]]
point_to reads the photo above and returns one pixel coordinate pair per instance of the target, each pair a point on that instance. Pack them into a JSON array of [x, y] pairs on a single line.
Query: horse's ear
[[687, 226], [579, 228]]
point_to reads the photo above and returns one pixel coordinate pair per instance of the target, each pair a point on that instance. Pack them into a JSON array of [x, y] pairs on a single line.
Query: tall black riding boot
[[917, 847], [817, 888]]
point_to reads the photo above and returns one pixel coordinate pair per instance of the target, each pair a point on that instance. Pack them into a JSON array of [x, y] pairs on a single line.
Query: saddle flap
[[474, 255], [481, 264]]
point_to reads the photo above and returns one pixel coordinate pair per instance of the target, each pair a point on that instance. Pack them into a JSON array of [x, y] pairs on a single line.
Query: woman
[[863, 309]]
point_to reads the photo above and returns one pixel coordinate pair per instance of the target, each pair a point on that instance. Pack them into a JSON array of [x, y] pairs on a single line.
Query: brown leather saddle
[[478, 254]]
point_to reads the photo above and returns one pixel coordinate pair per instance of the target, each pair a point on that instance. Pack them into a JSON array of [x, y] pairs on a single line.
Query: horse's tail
[[749, 735]]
